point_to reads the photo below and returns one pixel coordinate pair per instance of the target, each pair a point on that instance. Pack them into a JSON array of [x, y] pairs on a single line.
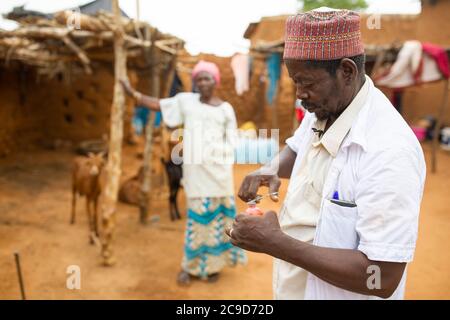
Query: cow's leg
[[172, 215], [74, 203], [177, 212], [96, 217], [172, 205], [90, 222]]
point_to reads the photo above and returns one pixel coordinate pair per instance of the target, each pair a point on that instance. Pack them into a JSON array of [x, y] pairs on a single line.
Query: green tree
[[336, 4]]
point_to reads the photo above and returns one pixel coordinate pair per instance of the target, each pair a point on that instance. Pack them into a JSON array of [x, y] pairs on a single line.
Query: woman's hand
[[127, 87]]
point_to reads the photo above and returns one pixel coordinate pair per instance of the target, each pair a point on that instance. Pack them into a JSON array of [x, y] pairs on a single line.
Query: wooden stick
[[171, 41], [147, 165], [438, 127], [19, 273], [62, 33], [80, 53], [36, 32], [138, 18], [115, 143], [103, 35], [144, 199], [138, 10], [162, 45], [137, 42]]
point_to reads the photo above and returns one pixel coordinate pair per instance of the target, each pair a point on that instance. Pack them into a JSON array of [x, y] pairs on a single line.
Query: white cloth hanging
[[411, 67], [240, 65]]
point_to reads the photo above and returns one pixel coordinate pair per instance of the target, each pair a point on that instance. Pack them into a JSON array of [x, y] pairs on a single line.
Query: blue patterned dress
[[207, 248]]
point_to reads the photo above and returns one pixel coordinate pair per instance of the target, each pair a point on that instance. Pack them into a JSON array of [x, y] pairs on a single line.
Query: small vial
[[253, 210]]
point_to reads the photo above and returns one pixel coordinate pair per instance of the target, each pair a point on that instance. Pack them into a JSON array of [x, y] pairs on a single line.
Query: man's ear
[[349, 70]]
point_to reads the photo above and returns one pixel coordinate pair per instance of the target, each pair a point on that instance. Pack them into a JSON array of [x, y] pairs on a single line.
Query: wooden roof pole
[[438, 126], [138, 10], [144, 199], [138, 19], [113, 167], [145, 196]]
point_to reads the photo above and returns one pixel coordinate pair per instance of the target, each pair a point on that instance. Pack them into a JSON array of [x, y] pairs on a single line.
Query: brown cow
[[87, 180], [130, 190]]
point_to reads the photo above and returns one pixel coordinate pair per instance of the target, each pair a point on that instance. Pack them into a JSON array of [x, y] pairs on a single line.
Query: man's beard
[[320, 113], [307, 105]]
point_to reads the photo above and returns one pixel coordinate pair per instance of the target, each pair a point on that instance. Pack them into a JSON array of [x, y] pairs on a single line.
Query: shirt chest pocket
[[337, 226], [346, 183]]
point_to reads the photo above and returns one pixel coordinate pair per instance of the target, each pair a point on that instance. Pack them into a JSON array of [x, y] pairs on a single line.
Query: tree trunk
[[113, 167]]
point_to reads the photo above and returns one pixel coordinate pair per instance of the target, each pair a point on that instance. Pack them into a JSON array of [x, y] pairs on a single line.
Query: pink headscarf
[[209, 67]]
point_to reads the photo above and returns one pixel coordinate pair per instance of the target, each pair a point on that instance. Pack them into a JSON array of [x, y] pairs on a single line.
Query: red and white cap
[[323, 34]]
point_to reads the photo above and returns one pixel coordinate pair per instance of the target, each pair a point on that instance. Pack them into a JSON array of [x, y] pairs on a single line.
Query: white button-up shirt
[[381, 168]]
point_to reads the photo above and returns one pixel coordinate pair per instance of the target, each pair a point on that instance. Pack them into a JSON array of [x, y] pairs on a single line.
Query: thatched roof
[[67, 38]]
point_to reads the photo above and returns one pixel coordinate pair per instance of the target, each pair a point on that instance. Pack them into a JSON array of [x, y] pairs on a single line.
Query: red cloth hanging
[[439, 55]]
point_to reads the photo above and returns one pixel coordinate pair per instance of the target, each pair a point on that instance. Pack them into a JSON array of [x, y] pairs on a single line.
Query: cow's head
[[96, 162]]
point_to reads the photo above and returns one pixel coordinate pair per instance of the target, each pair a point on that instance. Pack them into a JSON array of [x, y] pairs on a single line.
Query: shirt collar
[[334, 136]]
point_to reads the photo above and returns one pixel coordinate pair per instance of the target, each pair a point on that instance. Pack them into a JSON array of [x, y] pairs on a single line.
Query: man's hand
[[256, 179], [256, 233], [127, 87]]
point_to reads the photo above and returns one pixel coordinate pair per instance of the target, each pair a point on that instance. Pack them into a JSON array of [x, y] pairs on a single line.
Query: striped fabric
[[323, 35], [207, 248]]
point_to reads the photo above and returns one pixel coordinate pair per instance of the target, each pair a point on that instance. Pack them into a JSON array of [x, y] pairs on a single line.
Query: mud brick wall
[[393, 28], [20, 122], [41, 111], [80, 110]]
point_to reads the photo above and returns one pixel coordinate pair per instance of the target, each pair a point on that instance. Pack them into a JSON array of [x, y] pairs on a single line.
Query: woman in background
[[208, 154]]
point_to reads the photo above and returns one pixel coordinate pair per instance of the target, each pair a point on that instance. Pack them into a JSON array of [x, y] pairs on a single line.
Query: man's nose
[[301, 94]]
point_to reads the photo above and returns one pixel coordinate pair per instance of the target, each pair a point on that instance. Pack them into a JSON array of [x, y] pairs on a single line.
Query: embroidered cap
[[323, 34]]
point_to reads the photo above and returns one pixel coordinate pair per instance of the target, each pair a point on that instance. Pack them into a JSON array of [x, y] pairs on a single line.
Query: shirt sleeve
[[388, 196], [172, 111], [295, 141]]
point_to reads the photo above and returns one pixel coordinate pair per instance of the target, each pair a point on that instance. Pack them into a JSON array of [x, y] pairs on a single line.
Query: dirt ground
[[34, 220]]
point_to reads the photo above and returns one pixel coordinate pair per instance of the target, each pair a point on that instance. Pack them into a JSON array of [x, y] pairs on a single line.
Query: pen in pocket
[[341, 203]]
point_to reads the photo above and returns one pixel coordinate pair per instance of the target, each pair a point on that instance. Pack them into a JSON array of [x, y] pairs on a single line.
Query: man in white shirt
[[348, 225]]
